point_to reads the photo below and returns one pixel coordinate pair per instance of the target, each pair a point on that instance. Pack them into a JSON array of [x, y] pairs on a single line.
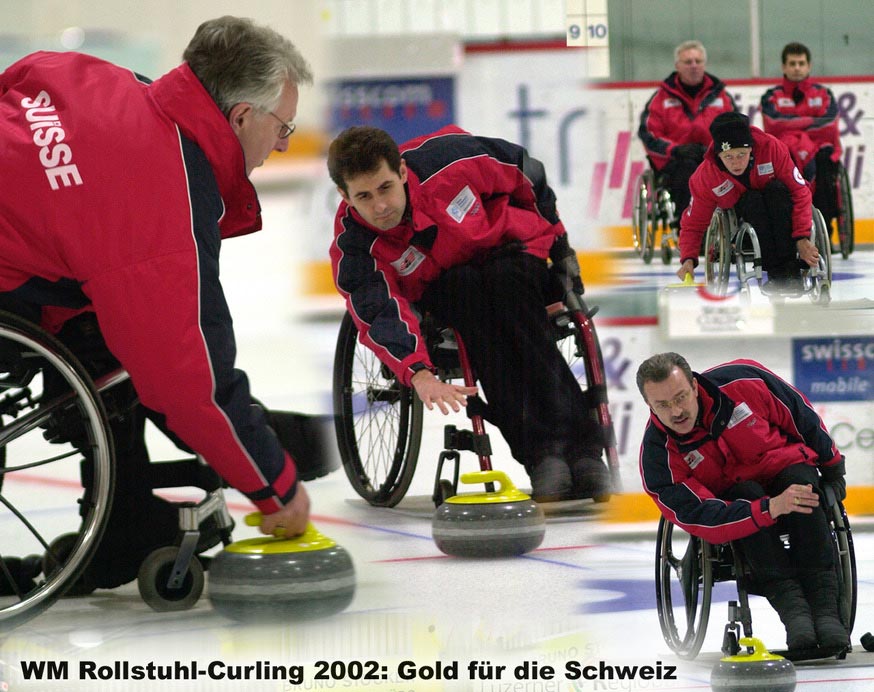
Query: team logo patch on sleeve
[[766, 168], [671, 102], [462, 203], [724, 188], [785, 102], [408, 261], [798, 177], [815, 102]]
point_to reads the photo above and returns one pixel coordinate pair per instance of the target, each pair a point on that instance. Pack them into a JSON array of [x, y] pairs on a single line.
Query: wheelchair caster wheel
[[502, 523], [155, 573], [443, 492]]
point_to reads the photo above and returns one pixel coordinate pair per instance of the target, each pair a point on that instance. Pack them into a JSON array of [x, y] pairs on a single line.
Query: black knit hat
[[730, 130]]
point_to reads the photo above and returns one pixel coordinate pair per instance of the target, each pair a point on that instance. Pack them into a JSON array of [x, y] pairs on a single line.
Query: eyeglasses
[[676, 402], [287, 127]]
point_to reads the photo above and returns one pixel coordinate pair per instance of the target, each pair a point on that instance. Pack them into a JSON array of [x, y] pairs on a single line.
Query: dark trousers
[[809, 539], [499, 309], [675, 177], [824, 175], [769, 212]]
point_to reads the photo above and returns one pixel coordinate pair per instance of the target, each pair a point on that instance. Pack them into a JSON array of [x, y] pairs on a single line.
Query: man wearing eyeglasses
[[737, 454], [115, 195]]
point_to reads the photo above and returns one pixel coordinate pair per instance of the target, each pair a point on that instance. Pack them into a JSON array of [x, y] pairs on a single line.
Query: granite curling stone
[[759, 671], [272, 578], [502, 523]]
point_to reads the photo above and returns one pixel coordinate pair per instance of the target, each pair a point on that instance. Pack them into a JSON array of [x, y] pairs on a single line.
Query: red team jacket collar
[[789, 86], [182, 97]]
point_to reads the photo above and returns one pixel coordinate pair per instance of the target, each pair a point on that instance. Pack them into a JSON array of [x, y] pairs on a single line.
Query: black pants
[[769, 212], [809, 544], [498, 308], [824, 174], [675, 177]]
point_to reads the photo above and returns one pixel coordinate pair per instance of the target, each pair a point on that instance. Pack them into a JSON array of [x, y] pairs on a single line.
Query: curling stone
[[490, 524], [273, 578], [759, 671]]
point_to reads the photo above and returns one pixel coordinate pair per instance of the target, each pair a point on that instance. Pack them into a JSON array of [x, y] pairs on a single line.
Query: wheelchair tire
[[717, 250], [643, 211], [683, 617], [820, 289], [154, 573], [845, 560], [581, 349], [378, 421], [845, 218], [54, 428]]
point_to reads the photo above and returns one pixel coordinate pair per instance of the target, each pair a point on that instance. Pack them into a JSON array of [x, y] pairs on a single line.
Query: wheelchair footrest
[[816, 653], [466, 440]]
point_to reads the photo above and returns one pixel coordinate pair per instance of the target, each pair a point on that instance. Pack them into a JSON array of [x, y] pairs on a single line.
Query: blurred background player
[[674, 124], [804, 116], [753, 173]]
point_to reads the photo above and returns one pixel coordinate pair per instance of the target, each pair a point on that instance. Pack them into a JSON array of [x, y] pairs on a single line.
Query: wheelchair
[[54, 432], [687, 569], [654, 213], [842, 228], [379, 421], [728, 242]]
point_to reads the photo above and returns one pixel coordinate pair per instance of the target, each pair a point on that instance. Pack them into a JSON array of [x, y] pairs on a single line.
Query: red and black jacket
[[672, 117], [751, 425], [465, 195], [115, 195]]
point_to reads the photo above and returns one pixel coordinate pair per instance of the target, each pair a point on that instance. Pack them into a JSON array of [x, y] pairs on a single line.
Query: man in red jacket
[[115, 195], [462, 226], [752, 172], [738, 454], [804, 116], [673, 125]]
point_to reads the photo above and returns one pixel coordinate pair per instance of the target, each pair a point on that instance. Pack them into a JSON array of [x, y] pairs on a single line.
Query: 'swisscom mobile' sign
[[835, 369]]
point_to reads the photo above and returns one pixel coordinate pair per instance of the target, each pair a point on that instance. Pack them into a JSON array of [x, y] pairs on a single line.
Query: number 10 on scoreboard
[[586, 22]]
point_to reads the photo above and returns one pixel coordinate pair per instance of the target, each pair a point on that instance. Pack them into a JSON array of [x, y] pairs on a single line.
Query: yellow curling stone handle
[[760, 653], [506, 492], [310, 539]]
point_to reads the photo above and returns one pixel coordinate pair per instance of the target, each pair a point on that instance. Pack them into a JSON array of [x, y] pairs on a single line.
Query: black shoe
[[551, 480], [590, 478], [135, 528], [821, 589], [18, 574], [788, 599]]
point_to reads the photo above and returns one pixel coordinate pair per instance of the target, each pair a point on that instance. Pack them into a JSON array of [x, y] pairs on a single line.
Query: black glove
[[834, 477], [565, 266], [692, 151]]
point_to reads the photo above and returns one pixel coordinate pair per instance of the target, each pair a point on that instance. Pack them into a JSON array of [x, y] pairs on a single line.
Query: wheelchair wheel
[[717, 250], [818, 279], [578, 342], [846, 565], [643, 217], [378, 421], [53, 434], [684, 588], [845, 218]]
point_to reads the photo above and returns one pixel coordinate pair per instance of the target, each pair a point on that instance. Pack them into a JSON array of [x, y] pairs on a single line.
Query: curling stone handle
[[757, 644], [688, 279], [254, 519], [492, 476]]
